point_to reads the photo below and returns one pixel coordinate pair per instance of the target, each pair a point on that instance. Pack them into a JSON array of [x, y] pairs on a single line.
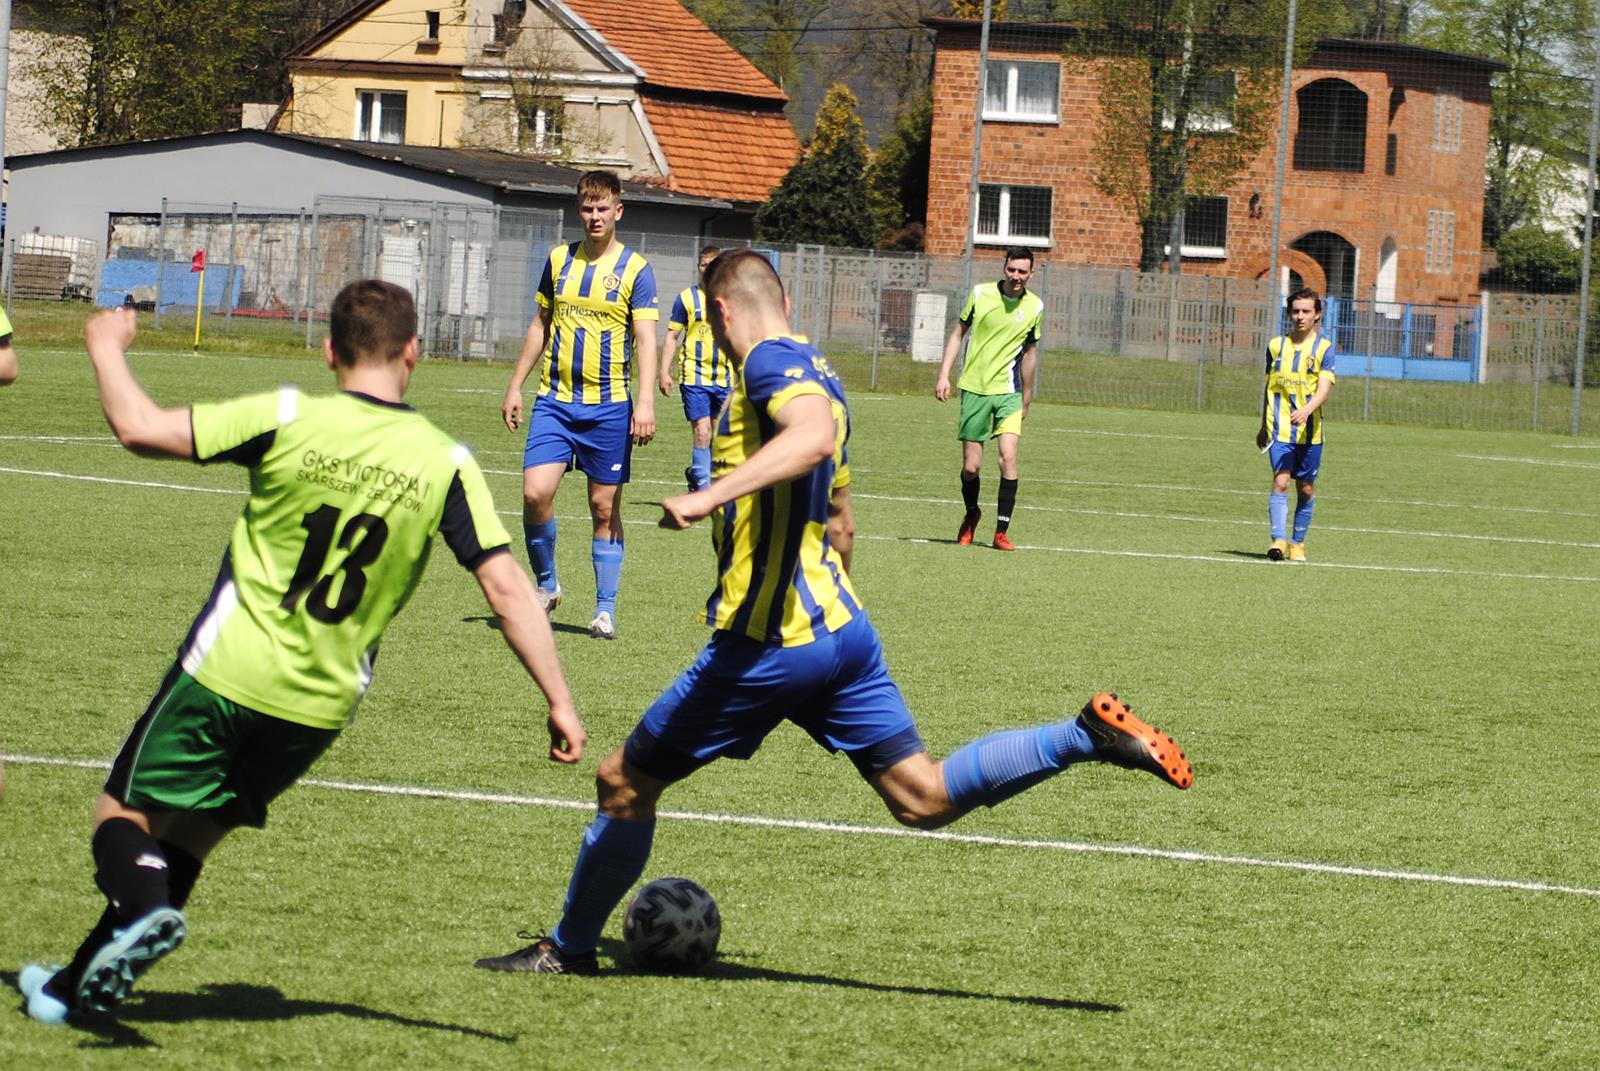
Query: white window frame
[[370, 103], [1440, 256], [1003, 235], [1201, 122], [1008, 69], [1447, 109], [1206, 252]]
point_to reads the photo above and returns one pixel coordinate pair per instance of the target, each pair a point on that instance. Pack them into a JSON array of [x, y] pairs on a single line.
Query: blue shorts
[[701, 403], [837, 689], [1300, 460], [595, 439]]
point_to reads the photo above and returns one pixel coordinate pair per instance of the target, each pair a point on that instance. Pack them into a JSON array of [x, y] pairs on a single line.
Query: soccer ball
[[672, 924]]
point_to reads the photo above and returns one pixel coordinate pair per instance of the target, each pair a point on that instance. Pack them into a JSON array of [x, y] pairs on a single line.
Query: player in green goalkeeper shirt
[[347, 492], [996, 384]]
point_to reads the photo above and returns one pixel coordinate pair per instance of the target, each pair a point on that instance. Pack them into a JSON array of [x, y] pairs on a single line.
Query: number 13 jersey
[[346, 495]]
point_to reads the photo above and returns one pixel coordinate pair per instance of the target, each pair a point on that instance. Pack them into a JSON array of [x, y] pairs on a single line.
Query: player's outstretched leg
[[991, 770]]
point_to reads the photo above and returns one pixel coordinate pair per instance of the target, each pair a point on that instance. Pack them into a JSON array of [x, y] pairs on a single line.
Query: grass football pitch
[[1389, 857]]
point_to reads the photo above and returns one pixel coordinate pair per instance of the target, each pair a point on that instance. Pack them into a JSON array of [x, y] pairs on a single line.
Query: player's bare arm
[[842, 525], [1303, 414], [138, 422], [526, 628], [668, 349], [1028, 364], [532, 349], [805, 439], [644, 406], [952, 346]]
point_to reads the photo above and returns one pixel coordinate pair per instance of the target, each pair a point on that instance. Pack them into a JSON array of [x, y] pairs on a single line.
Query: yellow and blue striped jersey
[[592, 307], [778, 579], [700, 362], [1293, 372]]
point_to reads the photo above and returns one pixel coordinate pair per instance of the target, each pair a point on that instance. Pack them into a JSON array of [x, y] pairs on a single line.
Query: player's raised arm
[[527, 631], [138, 422], [805, 439]]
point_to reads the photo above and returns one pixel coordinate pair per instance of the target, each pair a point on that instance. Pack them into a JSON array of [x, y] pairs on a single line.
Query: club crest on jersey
[[1021, 316], [612, 281]]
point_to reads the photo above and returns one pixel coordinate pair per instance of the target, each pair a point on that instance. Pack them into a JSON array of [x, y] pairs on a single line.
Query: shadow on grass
[[724, 969], [493, 624], [236, 1002], [1255, 555]]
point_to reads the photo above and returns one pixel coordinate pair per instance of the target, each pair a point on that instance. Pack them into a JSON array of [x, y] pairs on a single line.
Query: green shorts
[[194, 750], [983, 416]]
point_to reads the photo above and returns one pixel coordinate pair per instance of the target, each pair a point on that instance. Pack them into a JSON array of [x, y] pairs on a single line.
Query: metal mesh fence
[[1176, 181]]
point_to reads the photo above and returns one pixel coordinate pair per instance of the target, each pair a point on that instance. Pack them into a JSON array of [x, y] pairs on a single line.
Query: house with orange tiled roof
[[642, 87]]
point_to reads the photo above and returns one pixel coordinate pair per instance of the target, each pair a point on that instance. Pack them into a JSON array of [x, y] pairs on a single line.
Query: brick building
[[1383, 188]]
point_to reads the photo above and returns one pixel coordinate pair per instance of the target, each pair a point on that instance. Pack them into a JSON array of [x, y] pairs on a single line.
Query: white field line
[[1551, 462], [1097, 551], [108, 440], [944, 836]]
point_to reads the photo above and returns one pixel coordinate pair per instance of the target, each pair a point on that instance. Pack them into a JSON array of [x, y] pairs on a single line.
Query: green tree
[[897, 177], [770, 33], [1188, 94], [1539, 111], [823, 198], [1538, 261], [158, 68]]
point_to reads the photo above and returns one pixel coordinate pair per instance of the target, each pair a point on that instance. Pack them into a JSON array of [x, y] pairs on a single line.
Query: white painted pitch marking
[[125, 483], [850, 829], [1550, 462], [912, 539], [92, 440]]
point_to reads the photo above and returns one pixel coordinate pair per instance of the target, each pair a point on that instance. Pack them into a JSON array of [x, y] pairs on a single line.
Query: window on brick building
[[1447, 121], [1332, 132], [1017, 215], [1210, 104], [381, 117], [1205, 227], [1440, 255], [1022, 91]]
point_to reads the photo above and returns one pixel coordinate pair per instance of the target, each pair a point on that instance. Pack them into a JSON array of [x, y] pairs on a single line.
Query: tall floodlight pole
[[977, 148], [1277, 189], [1588, 238]]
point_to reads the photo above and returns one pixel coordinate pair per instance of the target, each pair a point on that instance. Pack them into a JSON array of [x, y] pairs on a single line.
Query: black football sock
[[63, 985], [131, 869], [969, 490], [1008, 502], [183, 870]]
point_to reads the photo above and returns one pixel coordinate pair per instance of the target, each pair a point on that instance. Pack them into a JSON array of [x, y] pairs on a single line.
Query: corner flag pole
[[198, 264]]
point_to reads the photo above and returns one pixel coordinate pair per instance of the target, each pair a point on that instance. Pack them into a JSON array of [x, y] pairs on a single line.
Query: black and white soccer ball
[[672, 924]]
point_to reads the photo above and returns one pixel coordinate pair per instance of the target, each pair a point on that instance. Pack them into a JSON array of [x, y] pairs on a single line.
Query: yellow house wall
[[325, 105]]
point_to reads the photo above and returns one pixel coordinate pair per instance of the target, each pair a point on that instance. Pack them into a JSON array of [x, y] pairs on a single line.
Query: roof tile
[[674, 48], [722, 152]]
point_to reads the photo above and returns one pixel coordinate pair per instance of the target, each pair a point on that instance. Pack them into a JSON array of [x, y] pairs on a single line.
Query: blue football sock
[[541, 540], [700, 465], [1302, 518], [1278, 514], [992, 770], [607, 574], [611, 859]]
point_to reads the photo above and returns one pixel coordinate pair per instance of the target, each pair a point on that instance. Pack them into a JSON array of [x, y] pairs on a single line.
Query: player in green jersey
[[8, 355], [347, 492], [996, 384]]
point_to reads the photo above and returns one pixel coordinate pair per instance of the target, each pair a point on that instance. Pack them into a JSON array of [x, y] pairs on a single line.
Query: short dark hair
[[710, 250], [1018, 252], [599, 184], [1301, 295], [736, 274], [371, 321]]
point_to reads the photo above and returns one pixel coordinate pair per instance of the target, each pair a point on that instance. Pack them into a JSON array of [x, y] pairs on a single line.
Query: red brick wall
[[1363, 208]]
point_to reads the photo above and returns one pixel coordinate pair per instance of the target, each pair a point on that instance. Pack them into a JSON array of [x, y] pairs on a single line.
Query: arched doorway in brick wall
[[1300, 269], [1337, 258]]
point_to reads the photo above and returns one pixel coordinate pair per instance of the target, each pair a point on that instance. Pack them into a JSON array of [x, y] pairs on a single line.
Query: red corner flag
[[198, 263]]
